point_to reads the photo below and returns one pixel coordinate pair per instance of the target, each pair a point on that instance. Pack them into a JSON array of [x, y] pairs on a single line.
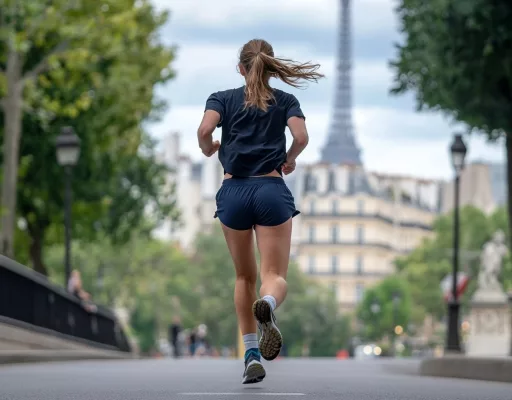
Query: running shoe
[[271, 339], [254, 371]]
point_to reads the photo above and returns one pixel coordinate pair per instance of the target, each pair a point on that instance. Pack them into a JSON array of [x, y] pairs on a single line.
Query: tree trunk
[[508, 141], [12, 115], [36, 250]]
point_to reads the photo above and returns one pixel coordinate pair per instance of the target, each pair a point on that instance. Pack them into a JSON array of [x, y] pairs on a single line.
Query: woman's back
[[253, 140]]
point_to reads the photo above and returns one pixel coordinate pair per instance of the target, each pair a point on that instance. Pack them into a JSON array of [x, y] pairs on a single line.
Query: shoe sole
[[255, 373], [271, 340]]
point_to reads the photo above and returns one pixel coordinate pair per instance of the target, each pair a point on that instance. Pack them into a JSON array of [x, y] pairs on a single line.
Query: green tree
[[429, 264], [456, 58], [379, 314], [52, 63], [118, 174]]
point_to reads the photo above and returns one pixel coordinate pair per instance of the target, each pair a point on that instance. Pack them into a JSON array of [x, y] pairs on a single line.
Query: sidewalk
[[478, 368], [33, 356]]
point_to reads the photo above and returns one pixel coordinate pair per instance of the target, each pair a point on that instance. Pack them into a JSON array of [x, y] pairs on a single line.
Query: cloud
[[282, 23], [375, 128], [392, 136], [203, 69], [369, 16]]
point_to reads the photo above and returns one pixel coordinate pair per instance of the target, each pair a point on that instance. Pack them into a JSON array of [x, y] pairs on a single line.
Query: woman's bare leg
[[274, 246], [241, 247]]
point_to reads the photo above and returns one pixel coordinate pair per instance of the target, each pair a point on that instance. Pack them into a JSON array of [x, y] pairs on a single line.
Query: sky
[[393, 137]]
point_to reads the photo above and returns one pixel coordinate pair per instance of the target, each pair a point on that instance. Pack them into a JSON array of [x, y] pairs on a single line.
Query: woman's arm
[[205, 133], [299, 132]]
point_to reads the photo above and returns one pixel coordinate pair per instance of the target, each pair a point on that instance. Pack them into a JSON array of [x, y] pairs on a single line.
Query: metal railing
[[31, 300]]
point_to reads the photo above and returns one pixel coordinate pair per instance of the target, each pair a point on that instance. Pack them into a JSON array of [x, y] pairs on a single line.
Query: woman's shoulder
[[228, 92], [281, 94]]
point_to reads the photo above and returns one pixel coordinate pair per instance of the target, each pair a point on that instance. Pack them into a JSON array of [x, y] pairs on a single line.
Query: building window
[[312, 206], [334, 264], [334, 234], [310, 183], [311, 264], [359, 292], [334, 206], [359, 265], [332, 181], [360, 207], [360, 234], [311, 233]]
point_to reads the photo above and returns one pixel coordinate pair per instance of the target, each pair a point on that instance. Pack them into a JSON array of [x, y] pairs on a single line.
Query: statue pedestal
[[489, 324]]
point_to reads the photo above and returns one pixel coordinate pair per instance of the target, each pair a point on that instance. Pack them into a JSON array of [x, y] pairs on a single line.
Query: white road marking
[[242, 394]]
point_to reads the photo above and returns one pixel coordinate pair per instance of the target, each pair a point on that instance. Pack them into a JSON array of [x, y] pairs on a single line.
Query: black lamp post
[[510, 313], [396, 302], [458, 154], [68, 151]]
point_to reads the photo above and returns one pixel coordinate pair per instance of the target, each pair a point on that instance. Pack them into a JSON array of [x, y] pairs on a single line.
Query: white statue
[[491, 262]]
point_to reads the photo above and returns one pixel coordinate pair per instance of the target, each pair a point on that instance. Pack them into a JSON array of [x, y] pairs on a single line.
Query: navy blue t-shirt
[[253, 141]]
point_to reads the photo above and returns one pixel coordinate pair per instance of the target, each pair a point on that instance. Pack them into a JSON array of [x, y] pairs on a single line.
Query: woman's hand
[[212, 150], [288, 167]]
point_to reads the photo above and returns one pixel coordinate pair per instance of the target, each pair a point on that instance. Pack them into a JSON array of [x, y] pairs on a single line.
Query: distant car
[[367, 351]]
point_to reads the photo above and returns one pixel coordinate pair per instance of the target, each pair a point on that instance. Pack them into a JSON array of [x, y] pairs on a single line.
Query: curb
[[476, 368], [37, 356]]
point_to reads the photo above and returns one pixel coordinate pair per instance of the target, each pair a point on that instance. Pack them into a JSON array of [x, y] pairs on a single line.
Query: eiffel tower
[[341, 145]]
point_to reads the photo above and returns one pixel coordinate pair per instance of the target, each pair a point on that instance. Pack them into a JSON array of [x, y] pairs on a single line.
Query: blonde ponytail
[[257, 58]]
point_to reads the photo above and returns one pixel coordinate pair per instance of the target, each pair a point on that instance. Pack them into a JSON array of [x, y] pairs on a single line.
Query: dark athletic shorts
[[243, 203]]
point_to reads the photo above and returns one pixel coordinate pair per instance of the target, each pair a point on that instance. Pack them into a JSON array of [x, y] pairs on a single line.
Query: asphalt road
[[220, 379]]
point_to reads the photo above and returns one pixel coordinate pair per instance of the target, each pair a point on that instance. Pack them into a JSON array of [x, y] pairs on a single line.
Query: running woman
[[253, 195]]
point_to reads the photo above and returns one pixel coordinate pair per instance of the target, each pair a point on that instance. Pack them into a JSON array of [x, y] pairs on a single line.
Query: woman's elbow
[[302, 140], [204, 131]]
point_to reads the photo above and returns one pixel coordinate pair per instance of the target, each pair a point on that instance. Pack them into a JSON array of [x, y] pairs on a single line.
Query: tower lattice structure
[[341, 147]]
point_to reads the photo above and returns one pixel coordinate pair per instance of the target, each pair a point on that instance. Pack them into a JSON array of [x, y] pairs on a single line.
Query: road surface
[[206, 379]]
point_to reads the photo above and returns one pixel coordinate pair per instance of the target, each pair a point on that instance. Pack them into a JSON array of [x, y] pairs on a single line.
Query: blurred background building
[[196, 185], [482, 185]]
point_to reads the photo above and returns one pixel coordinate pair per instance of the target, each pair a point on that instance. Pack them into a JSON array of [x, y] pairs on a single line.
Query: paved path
[[219, 379]]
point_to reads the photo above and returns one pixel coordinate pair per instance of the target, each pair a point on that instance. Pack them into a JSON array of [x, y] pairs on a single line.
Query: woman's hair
[[257, 58]]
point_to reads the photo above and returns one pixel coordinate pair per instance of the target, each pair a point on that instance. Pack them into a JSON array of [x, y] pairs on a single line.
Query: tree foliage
[[429, 264], [90, 65], [456, 58], [102, 84], [378, 312]]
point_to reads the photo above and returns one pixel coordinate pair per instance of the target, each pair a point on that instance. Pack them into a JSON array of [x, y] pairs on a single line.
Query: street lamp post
[[396, 301], [510, 314], [68, 151], [458, 154]]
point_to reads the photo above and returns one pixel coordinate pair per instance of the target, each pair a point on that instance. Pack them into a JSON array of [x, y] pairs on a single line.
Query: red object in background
[[342, 354], [462, 284]]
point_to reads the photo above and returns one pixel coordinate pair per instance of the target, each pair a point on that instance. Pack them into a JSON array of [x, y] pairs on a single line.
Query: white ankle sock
[[250, 341], [270, 300]]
